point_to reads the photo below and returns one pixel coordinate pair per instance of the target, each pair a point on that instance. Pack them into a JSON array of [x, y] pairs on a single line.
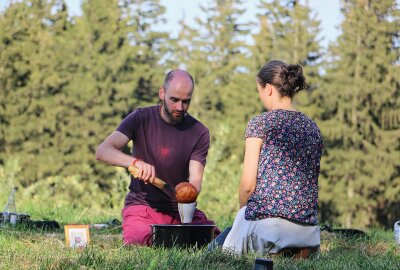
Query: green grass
[[22, 248]]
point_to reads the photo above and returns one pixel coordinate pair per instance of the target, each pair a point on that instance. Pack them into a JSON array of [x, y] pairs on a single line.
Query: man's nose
[[180, 105]]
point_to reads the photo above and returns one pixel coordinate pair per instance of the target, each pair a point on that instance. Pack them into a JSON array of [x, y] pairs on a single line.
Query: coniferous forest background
[[67, 82]]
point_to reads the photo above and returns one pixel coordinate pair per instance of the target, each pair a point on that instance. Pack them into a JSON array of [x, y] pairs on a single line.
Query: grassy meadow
[[23, 248]]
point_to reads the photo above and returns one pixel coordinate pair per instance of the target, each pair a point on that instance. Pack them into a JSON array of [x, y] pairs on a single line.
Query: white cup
[[186, 211]]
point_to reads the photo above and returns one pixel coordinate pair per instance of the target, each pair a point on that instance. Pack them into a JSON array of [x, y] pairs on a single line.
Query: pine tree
[[32, 89], [68, 82], [225, 96], [217, 58], [97, 55], [117, 61], [289, 32], [360, 121], [263, 47], [149, 48]]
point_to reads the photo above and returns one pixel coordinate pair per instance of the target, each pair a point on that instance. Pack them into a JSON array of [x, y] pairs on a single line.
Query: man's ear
[[161, 93]]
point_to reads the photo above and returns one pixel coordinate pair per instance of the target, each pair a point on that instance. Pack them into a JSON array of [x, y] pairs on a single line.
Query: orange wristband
[[136, 160]]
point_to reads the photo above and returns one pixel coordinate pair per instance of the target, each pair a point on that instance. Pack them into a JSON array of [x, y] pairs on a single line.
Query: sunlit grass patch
[[30, 248]]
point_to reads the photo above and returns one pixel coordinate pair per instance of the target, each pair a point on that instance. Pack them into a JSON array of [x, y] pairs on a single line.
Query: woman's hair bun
[[293, 80], [288, 79]]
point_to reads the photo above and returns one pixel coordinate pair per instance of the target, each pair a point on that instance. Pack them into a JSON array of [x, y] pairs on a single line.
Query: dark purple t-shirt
[[169, 148]]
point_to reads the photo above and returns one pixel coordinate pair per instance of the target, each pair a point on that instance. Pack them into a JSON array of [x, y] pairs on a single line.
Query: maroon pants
[[136, 221]]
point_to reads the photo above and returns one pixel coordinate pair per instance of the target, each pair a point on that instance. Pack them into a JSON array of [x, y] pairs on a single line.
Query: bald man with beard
[[168, 143]]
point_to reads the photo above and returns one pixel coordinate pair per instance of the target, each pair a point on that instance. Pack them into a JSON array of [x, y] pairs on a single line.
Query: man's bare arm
[[110, 152], [196, 170]]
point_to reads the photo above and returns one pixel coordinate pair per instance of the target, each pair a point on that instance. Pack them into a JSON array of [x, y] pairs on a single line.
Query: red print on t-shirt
[[164, 151]]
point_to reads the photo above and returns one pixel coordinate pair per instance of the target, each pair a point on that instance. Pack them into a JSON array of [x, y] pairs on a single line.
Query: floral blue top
[[288, 168]]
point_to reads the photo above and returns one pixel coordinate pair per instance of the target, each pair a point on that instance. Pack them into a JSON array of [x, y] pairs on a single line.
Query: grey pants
[[269, 235]]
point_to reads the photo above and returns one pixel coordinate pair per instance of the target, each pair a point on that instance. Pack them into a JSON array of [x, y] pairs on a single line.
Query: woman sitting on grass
[[279, 188]]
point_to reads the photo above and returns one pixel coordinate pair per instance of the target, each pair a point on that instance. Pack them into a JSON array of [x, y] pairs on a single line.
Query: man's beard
[[170, 114]]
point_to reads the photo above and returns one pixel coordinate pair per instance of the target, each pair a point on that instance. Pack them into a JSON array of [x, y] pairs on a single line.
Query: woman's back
[[278, 192], [287, 179]]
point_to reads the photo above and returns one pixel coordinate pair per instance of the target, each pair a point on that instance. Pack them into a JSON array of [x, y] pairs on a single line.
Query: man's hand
[[145, 172]]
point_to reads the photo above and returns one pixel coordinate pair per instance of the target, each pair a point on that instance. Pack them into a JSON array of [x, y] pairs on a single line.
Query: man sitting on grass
[[168, 143]]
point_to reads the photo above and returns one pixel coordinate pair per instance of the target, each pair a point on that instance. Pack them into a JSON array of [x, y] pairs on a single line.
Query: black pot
[[185, 235]]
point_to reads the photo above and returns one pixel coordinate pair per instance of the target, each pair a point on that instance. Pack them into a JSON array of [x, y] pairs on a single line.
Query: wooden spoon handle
[[157, 182]]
